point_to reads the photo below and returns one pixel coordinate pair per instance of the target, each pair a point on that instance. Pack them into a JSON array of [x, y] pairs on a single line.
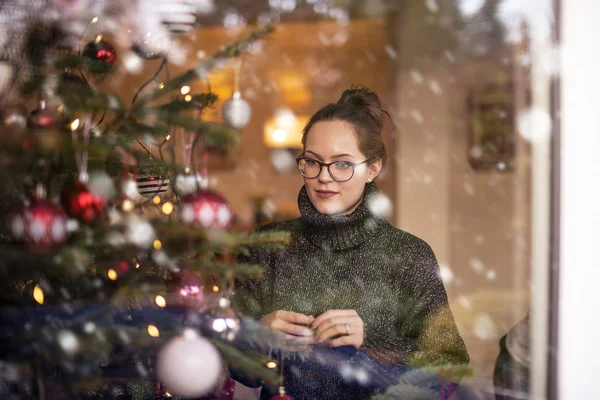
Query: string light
[[137, 265], [161, 85], [38, 294], [112, 274], [94, 20], [153, 331], [168, 137], [157, 244], [160, 301], [75, 124], [128, 205], [167, 208], [188, 97], [185, 90], [156, 200], [215, 288], [271, 365], [98, 38]]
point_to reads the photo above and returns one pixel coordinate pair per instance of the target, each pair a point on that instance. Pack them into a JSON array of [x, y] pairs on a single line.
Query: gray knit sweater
[[361, 262]]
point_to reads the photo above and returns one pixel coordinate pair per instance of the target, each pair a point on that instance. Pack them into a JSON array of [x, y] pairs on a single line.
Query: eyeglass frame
[[322, 164]]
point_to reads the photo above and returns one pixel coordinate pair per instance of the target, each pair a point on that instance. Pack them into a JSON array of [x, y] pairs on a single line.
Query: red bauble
[[82, 204], [205, 208], [42, 225], [282, 395], [42, 118], [101, 50]]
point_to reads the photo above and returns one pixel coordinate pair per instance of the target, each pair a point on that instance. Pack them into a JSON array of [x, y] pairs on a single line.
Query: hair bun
[[361, 97]]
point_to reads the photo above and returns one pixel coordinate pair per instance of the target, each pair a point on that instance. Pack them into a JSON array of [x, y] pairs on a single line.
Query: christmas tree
[[117, 261]]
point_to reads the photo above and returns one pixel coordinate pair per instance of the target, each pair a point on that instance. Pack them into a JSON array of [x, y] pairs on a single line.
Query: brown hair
[[361, 109]]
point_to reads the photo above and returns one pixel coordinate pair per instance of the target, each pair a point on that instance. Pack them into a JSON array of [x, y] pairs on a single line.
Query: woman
[[350, 283]]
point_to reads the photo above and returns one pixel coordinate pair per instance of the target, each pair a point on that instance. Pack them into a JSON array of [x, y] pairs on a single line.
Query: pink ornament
[[42, 225], [205, 208]]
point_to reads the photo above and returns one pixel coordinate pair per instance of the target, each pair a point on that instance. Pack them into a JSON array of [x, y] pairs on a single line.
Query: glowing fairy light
[[157, 244], [38, 294], [156, 200], [128, 205], [215, 288], [153, 331], [112, 274], [160, 301], [271, 365], [167, 208], [75, 124], [185, 90]]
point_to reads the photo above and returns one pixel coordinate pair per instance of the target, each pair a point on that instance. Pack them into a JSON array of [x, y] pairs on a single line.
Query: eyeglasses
[[340, 171]]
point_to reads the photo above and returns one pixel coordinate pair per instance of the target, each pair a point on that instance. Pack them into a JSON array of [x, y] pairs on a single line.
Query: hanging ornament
[[101, 54], [220, 321], [188, 183], [187, 289], [281, 395], [43, 118], [236, 111], [71, 78], [150, 186], [81, 203], [205, 208], [42, 224], [179, 16], [189, 365], [228, 390]]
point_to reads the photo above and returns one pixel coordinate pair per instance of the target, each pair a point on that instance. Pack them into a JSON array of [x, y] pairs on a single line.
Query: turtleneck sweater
[[360, 262]]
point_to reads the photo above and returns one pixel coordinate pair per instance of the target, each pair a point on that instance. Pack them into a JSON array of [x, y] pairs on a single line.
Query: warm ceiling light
[[284, 130]]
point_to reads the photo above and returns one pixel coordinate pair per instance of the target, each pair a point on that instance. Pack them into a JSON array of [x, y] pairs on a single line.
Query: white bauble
[[189, 183], [236, 111], [189, 366]]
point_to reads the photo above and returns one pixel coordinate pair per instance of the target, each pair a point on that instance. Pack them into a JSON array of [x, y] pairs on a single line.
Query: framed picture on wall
[[491, 127]]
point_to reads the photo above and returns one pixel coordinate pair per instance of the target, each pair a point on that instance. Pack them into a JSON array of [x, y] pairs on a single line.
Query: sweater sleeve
[[425, 328]]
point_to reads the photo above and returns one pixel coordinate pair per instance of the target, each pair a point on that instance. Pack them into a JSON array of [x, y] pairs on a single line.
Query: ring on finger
[[347, 329]]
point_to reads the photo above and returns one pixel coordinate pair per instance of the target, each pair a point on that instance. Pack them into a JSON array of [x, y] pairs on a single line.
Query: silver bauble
[[219, 320], [236, 111]]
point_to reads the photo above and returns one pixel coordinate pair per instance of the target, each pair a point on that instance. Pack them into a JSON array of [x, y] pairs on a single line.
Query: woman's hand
[[342, 327], [291, 324]]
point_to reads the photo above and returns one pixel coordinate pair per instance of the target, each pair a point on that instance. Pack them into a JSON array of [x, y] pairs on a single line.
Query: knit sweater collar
[[338, 232]]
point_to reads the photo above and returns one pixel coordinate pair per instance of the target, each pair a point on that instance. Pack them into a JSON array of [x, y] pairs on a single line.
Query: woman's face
[[330, 141]]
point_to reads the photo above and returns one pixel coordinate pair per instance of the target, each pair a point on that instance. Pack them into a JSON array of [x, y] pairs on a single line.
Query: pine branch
[[239, 359], [230, 51]]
